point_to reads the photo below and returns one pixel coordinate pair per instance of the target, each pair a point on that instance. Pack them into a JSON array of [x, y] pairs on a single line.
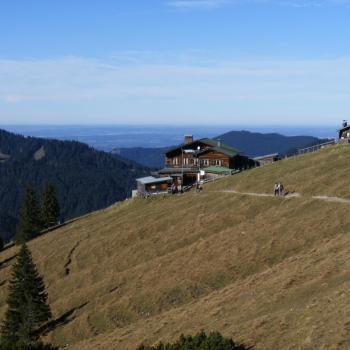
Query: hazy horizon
[[107, 137]]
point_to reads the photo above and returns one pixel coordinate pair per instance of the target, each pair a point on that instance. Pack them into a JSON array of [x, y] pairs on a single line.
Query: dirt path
[[332, 199], [254, 194], [288, 195]]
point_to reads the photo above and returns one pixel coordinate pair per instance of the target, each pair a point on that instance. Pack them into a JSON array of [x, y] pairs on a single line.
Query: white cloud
[[241, 87], [77, 78]]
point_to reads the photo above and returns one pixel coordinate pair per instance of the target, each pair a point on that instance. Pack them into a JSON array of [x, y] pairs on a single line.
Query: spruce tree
[[49, 207], [29, 224], [27, 305]]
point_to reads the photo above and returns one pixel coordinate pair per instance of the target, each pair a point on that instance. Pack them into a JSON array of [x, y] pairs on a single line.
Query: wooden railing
[[317, 147]]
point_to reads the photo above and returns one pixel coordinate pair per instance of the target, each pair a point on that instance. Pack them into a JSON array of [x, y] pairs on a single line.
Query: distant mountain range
[[85, 179], [255, 144], [249, 143]]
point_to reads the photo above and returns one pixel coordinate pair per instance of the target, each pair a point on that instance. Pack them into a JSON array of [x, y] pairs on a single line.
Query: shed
[[267, 159], [151, 185]]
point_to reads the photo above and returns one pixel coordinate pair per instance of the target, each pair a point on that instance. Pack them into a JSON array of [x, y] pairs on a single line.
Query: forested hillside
[[150, 157], [255, 144], [84, 179]]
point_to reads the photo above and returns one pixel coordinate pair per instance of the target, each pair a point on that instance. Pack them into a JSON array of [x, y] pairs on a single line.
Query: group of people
[[278, 189]]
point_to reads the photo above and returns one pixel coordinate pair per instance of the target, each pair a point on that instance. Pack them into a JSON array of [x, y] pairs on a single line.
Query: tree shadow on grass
[[5, 262], [64, 319]]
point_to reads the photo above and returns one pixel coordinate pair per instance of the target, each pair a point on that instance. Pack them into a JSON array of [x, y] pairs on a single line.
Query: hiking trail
[[287, 195]]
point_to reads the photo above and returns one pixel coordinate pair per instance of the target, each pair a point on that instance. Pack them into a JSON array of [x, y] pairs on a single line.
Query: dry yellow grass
[[269, 272], [322, 173]]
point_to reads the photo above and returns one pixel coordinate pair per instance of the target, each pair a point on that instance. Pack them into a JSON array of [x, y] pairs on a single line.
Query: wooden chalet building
[[193, 158], [344, 132]]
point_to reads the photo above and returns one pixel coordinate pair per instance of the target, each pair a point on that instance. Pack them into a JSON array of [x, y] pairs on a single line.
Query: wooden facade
[[215, 158], [203, 160]]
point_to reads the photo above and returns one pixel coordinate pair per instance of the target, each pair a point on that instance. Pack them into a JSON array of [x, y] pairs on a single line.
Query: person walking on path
[[276, 189], [281, 189]]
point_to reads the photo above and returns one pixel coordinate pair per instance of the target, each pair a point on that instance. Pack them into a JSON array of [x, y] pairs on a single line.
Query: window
[[217, 162], [175, 161], [205, 162]]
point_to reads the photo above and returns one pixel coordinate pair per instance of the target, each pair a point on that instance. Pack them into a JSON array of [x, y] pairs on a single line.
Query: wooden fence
[[316, 147]]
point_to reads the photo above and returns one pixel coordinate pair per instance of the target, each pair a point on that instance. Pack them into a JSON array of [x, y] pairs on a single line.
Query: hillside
[[150, 157], [249, 143], [255, 144], [272, 273], [85, 179]]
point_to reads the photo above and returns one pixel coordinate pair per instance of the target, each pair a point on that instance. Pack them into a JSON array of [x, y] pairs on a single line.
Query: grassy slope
[[322, 173], [270, 272]]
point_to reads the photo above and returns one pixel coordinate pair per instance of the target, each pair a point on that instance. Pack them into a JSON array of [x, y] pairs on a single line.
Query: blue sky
[[174, 61]]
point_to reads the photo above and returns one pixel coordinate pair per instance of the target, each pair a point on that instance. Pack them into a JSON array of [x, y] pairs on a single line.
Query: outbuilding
[[344, 132], [267, 159], [151, 185]]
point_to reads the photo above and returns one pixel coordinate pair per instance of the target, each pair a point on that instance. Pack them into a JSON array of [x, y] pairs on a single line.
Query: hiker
[[276, 189], [173, 189], [281, 189]]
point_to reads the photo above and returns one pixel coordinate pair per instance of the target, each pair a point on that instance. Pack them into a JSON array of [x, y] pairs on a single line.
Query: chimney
[[188, 139], [345, 123]]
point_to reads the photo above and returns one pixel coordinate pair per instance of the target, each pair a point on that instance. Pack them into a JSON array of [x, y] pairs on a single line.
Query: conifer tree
[[49, 207], [1, 244], [27, 305], [29, 224]]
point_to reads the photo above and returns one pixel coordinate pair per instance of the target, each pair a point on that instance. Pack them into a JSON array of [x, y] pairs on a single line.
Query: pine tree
[[49, 207], [1, 244], [29, 224], [27, 305]]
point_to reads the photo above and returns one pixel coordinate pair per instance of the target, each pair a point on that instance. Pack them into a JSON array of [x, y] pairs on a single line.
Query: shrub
[[201, 341]]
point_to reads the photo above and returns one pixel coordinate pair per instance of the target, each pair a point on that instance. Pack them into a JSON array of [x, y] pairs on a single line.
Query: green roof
[[218, 170], [211, 145], [230, 152]]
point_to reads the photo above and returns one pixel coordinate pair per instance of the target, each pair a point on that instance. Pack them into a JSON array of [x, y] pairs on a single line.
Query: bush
[[201, 341], [29, 346]]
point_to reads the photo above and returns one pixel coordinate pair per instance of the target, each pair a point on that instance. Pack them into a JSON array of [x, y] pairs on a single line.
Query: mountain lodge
[[189, 162]]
